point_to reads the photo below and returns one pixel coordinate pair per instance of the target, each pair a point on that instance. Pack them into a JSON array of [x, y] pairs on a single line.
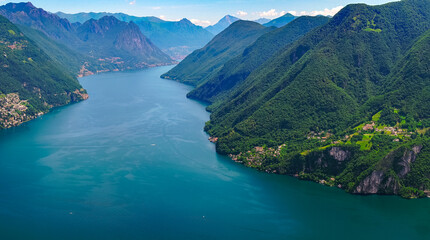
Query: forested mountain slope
[[31, 82], [236, 70], [345, 105], [196, 67], [321, 80]]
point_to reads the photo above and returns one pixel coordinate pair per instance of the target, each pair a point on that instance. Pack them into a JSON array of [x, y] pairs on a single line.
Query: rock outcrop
[[407, 159], [383, 181]]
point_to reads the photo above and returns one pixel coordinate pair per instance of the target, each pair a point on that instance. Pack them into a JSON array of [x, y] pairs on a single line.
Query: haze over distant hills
[[262, 20], [108, 43], [222, 24], [176, 38], [281, 21]]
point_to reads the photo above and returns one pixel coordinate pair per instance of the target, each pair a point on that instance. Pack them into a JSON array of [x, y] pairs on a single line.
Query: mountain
[[107, 44], [121, 43], [51, 25], [281, 21], [196, 67], [262, 20], [83, 17], [31, 82], [345, 105], [176, 38], [237, 69], [222, 24], [63, 55]]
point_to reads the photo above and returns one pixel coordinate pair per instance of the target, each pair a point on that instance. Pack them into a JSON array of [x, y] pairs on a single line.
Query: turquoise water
[[133, 162]]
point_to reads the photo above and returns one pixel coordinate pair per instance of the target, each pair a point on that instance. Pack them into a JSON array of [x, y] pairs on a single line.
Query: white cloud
[[241, 13], [132, 2], [203, 23], [156, 8], [293, 13], [162, 17], [270, 13], [273, 13], [325, 12]]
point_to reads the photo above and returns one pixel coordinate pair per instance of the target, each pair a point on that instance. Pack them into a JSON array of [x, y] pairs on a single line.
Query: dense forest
[[345, 104], [31, 82], [196, 68]]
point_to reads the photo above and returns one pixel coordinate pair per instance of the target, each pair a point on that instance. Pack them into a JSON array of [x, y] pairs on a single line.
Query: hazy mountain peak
[[262, 20], [222, 24], [186, 21], [281, 21]]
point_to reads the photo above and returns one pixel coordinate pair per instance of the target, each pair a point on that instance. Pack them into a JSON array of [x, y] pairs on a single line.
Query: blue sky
[[202, 12]]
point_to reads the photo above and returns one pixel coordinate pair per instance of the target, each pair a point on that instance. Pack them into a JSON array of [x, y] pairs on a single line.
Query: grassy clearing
[[364, 145], [377, 116]]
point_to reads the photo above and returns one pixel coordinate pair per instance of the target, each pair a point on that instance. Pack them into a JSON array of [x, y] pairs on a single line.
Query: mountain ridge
[[31, 82], [106, 53], [176, 38], [222, 24], [338, 105], [220, 49]]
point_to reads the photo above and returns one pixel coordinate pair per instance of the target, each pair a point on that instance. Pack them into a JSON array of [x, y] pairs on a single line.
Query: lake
[[133, 162]]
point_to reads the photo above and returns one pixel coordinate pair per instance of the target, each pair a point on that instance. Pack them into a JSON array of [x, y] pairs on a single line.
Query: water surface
[[133, 162]]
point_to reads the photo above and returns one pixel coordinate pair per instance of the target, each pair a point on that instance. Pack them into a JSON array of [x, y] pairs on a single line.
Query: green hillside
[[197, 67], [345, 105], [31, 82], [66, 57], [239, 68], [320, 81]]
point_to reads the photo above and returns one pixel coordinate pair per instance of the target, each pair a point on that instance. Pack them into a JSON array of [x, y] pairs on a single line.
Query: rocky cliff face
[[407, 159], [332, 161], [378, 183], [383, 181]]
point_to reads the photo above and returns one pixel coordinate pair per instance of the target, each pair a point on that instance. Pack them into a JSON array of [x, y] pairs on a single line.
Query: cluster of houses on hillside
[[12, 110]]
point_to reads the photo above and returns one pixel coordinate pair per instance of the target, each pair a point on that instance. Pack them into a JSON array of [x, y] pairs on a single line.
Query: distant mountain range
[[222, 24], [228, 20], [83, 17], [108, 43], [262, 20], [340, 101], [176, 38], [281, 21]]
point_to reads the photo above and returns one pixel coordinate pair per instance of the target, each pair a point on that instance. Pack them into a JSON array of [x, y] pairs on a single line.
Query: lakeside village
[[12, 111], [362, 135]]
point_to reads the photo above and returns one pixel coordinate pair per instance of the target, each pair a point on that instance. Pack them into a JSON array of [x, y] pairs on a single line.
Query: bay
[[133, 162]]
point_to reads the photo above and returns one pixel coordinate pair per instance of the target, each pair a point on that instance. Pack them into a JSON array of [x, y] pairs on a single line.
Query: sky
[[202, 12]]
